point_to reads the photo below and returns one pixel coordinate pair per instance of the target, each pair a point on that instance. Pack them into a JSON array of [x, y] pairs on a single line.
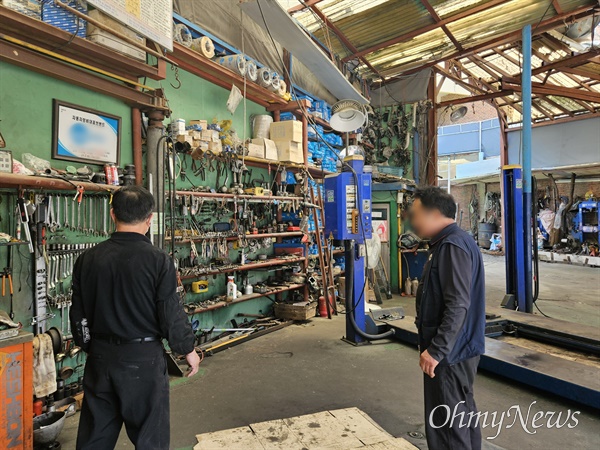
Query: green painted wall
[[26, 124], [26, 112], [200, 99]]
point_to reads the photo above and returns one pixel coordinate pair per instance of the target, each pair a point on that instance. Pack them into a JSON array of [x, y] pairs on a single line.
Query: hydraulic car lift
[[566, 378]]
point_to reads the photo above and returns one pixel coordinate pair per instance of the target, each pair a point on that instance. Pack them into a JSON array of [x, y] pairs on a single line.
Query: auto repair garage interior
[[250, 122]]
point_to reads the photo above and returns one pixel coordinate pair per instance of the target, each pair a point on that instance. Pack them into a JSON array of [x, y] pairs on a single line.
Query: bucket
[[484, 234], [261, 126]]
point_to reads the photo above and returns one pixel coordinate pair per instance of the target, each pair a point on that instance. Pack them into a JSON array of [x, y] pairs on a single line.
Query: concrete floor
[[306, 369]]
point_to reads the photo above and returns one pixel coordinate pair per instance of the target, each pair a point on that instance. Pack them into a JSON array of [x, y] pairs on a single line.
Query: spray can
[[231, 289], [108, 174], [414, 286], [407, 286]]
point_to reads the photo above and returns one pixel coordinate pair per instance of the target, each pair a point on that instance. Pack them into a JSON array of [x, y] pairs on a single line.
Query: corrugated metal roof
[[400, 36]]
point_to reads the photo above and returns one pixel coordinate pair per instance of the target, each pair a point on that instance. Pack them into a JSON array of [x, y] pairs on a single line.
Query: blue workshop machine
[[348, 219]]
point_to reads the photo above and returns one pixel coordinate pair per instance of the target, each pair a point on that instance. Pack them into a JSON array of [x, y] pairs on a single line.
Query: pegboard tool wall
[[26, 114], [200, 99]]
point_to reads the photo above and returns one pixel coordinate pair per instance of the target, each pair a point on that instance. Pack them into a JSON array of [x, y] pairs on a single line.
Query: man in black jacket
[[125, 301], [451, 322]]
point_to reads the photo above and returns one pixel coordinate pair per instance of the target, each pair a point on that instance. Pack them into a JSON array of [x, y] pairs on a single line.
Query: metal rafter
[[411, 34], [342, 37], [437, 19], [489, 86], [548, 24], [303, 6], [557, 7], [485, 64], [559, 91], [572, 61]]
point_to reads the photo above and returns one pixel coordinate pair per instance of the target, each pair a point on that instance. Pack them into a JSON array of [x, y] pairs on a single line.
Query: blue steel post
[[514, 236], [526, 164]]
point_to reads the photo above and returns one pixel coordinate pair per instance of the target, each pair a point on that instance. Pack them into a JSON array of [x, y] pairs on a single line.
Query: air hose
[[350, 308]]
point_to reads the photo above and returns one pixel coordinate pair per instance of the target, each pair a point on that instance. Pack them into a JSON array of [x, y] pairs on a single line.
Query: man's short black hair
[[435, 198], [132, 204]]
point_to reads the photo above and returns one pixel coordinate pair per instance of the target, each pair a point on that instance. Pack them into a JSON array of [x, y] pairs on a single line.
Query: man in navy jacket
[[450, 320]]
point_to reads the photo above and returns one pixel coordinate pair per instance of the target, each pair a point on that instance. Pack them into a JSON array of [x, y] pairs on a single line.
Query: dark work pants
[[125, 384], [448, 402]]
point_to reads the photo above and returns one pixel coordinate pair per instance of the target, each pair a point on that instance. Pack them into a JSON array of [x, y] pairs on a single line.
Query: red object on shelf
[[291, 229]]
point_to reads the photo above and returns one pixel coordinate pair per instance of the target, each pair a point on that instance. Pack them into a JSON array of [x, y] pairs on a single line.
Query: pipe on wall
[[136, 138]]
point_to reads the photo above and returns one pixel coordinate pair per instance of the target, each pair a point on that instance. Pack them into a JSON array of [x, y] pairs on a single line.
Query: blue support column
[[526, 164], [514, 237]]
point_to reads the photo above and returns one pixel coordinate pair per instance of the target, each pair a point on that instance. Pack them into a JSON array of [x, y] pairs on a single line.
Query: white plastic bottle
[[231, 289]]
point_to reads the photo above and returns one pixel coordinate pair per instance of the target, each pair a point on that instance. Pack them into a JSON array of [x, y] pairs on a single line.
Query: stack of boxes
[[101, 37], [63, 19], [287, 136], [197, 135], [263, 148]]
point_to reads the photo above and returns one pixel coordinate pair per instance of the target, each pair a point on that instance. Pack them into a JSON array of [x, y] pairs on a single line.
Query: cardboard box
[[107, 40], [256, 150], [63, 19], [197, 135], [177, 126], [269, 148], [202, 123], [215, 147], [289, 130], [210, 136], [101, 37], [290, 151], [185, 138]]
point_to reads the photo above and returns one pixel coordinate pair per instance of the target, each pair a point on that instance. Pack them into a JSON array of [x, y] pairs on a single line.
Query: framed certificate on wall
[[85, 135]]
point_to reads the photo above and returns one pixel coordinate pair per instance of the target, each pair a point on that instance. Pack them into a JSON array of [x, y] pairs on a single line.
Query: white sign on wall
[[150, 18]]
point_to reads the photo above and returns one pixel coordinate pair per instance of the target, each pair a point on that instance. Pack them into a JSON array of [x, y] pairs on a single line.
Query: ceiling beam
[[301, 7], [411, 34], [475, 98], [437, 19], [557, 7], [485, 63], [488, 86], [572, 61], [582, 72], [342, 38], [457, 80], [545, 78], [548, 24], [559, 91]]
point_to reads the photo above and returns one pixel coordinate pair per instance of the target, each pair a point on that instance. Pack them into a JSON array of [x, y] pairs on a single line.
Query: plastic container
[[231, 289]]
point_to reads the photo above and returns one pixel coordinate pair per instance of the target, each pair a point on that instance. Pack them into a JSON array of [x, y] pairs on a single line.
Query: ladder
[[381, 282], [324, 256]]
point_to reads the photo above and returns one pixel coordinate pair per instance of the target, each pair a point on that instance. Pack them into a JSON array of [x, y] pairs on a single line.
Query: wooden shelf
[[235, 238], [13, 180], [249, 266], [195, 63], [245, 298], [59, 41]]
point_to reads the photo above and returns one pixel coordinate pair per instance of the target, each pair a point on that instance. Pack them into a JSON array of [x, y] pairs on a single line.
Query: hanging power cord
[[355, 175]]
